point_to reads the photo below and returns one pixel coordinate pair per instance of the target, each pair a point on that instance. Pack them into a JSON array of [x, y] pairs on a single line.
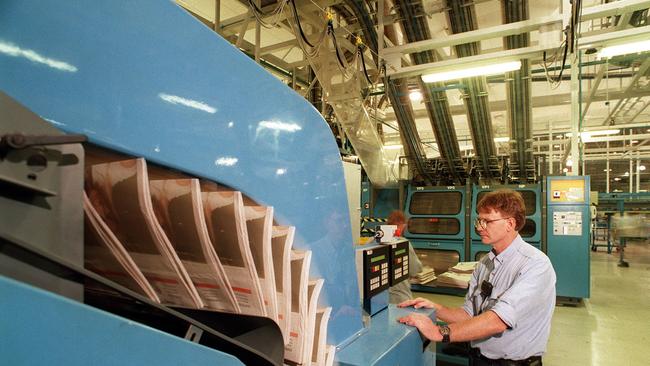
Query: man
[[402, 291], [509, 305]]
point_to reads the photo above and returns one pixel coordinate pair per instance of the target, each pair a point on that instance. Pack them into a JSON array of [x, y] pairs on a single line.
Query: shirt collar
[[508, 252]]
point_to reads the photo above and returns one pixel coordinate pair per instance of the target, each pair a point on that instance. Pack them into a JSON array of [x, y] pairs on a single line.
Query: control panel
[[373, 263], [399, 259]]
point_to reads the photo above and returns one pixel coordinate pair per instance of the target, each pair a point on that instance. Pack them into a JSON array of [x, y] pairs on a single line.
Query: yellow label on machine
[[567, 190]]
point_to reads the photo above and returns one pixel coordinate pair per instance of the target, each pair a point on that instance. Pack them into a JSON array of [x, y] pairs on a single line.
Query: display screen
[[401, 251], [438, 225], [436, 203], [377, 258]]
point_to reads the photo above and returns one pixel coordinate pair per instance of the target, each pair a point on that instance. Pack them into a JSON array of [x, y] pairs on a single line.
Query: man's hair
[[507, 202], [396, 218]]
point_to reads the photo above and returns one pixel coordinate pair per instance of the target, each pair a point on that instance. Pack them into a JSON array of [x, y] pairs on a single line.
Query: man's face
[[493, 226]]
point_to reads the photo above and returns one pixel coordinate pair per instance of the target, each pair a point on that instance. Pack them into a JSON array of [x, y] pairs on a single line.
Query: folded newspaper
[[119, 191]]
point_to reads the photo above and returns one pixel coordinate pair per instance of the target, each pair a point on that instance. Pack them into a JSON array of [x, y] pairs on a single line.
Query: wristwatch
[[445, 332]]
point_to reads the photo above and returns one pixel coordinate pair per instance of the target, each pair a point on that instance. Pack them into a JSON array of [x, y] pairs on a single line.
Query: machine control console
[[373, 263], [399, 259]]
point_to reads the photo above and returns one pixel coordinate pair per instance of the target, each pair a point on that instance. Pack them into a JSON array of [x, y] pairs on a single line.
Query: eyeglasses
[[480, 223]]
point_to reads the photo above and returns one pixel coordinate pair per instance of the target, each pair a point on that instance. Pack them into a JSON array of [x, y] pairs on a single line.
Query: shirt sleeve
[[534, 283]]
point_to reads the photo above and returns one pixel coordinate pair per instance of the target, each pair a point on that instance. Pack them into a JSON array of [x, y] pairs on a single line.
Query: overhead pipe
[[462, 19], [518, 88], [396, 91], [416, 28]]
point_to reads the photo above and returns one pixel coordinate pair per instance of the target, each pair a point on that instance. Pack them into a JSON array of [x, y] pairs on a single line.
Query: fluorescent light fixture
[[617, 179], [624, 49], [501, 139], [634, 141], [556, 146], [641, 167], [626, 174], [493, 69], [392, 147], [569, 163], [607, 170], [415, 96]]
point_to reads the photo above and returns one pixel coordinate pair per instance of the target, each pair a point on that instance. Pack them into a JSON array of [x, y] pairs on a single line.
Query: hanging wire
[[276, 14]]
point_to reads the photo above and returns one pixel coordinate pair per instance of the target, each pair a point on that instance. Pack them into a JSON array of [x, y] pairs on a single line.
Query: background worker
[[509, 305], [402, 291]]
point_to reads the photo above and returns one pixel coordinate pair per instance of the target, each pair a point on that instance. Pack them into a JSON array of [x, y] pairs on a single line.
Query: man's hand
[[419, 303], [424, 324]]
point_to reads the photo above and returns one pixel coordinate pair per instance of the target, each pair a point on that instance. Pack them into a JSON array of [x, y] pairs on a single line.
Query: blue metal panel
[[148, 79], [460, 216], [569, 254], [387, 342], [39, 327]]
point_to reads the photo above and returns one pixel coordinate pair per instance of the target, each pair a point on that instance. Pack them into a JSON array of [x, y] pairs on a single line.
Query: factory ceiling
[[510, 127]]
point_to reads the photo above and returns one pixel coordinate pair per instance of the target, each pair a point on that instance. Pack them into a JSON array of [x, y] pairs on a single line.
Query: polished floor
[[612, 327]]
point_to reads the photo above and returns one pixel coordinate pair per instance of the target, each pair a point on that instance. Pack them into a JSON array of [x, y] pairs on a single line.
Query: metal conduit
[[518, 88], [396, 92], [462, 19], [416, 28]]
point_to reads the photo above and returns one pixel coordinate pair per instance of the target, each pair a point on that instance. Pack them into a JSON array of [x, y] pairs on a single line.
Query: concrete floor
[[610, 328]]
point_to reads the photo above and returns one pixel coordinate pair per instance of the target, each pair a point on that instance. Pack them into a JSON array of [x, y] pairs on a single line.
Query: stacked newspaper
[[453, 279], [179, 209], [119, 192], [179, 245], [425, 276], [105, 255], [464, 267]]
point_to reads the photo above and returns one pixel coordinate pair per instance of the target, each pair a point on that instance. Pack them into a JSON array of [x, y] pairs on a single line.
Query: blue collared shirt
[[523, 296]]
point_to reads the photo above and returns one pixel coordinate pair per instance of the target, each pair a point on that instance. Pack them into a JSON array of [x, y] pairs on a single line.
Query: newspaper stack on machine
[[119, 191], [300, 263], [226, 221], [458, 275], [426, 275], [179, 208], [464, 267], [259, 223], [105, 255], [281, 244]]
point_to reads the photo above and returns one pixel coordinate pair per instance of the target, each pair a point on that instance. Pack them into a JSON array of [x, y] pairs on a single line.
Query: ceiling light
[[617, 179], [569, 163], [607, 170], [642, 167], [415, 96], [623, 49], [556, 146], [501, 139], [472, 71], [634, 141], [392, 147], [565, 170], [627, 174]]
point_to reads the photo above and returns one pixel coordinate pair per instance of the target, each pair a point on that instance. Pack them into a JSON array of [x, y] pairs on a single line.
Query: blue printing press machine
[[146, 79]]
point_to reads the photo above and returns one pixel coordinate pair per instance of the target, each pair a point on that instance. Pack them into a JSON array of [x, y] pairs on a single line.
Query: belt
[[479, 360]]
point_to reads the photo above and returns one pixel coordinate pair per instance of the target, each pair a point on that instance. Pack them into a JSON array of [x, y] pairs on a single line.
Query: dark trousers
[[477, 359]]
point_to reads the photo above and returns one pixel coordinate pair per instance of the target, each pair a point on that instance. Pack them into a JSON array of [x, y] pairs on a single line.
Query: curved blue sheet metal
[[147, 79]]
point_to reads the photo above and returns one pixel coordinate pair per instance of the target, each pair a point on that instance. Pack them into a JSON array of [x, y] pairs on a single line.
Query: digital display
[[377, 258], [401, 251]]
